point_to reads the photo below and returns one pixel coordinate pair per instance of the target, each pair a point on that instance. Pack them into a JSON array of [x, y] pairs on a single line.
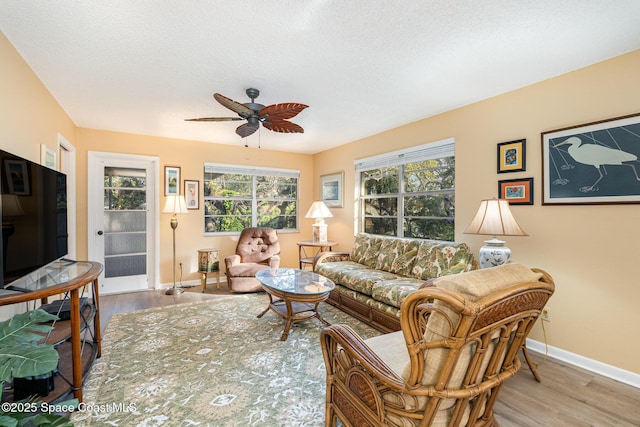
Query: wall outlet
[[546, 314]]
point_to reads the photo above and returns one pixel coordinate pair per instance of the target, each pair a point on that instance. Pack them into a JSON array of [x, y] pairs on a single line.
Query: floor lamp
[[175, 205]]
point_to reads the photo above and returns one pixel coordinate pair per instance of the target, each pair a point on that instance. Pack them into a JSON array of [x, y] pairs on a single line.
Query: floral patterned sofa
[[381, 271]]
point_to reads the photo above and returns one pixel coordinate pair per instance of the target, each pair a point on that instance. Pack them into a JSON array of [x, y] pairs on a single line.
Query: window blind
[[433, 150], [250, 170]]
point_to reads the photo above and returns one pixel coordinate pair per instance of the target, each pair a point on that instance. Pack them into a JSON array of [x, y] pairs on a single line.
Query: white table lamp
[[494, 218], [319, 211]]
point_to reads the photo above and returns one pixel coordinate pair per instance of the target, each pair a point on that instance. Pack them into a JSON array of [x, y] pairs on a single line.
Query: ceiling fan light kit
[[273, 117]]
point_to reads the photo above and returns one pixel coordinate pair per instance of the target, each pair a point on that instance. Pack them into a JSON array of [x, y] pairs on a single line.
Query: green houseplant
[[21, 356]]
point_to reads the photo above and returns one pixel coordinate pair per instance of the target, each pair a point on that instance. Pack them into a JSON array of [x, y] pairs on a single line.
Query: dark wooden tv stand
[[69, 279]]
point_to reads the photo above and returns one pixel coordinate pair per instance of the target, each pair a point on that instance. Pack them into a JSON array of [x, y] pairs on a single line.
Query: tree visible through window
[[409, 198], [236, 198]]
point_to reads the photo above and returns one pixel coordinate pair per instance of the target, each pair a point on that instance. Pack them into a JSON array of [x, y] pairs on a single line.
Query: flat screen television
[[33, 204]]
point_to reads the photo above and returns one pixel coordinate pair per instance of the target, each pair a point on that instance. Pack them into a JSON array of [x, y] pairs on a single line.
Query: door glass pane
[[125, 222]]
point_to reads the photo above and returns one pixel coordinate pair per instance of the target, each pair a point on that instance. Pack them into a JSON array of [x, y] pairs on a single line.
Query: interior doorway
[[123, 220]]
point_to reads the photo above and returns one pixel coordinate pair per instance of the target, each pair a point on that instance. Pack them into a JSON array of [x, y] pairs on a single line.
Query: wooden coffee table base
[[304, 307]]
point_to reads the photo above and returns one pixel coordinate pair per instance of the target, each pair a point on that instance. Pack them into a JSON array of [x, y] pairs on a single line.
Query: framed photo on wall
[[516, 191], [192, 194], [171, 181], [332, 189], [512, 156], [594, 163], [47, 156]]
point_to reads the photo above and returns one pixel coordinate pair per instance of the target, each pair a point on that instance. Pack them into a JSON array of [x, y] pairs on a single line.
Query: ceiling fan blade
[[234, 106], [282, 126], [247, 129], [282, 111], [214, 119]]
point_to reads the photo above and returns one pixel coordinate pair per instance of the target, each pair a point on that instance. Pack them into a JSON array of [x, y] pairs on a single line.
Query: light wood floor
[[567, 396]]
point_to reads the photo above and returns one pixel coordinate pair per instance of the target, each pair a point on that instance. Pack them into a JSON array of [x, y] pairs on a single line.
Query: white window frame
[[255, 172], [430, 151]]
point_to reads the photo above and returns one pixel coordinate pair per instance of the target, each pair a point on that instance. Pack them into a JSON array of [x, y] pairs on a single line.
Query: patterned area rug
[[210, 363]]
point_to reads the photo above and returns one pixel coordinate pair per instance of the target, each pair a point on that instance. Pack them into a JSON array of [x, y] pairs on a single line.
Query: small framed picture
[[332, 189], [512, 156], [47, 156], [191, 193], [171, 181], [516, 191]]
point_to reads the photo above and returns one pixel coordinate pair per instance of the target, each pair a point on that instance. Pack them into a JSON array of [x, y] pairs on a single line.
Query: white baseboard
[[192, 283], [594, 366]]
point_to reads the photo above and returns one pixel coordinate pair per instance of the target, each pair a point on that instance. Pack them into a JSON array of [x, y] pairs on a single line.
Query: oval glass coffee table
[[294, 294]]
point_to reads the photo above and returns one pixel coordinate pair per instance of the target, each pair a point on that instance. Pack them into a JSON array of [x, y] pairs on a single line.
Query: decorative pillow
[[360, 247], [397, 255], [370, 257], [435, 259]]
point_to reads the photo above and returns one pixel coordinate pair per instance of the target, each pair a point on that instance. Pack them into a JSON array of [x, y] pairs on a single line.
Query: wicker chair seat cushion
[[392, 349]]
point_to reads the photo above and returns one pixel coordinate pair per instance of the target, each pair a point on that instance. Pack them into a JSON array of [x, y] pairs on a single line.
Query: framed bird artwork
[[592, 163]]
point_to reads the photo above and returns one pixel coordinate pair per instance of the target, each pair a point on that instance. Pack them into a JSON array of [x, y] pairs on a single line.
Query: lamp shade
[[318, 210], [175, 205], [495, 218]]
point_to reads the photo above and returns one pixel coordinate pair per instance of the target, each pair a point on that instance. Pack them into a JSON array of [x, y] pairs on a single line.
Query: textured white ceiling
[[362, 66]]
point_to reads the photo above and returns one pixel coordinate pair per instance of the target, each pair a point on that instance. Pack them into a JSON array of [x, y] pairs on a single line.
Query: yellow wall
[[591, 251], [190, 156], [29, 115]]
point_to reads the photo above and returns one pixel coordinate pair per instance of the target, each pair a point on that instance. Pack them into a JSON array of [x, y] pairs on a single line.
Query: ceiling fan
[[273, 117]]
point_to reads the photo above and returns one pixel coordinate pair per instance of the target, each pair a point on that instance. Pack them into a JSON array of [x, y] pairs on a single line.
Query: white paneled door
[[123, 224]]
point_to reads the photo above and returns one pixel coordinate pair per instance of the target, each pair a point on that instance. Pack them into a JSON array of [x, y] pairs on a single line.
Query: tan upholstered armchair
[[257, 249], [459, 342]]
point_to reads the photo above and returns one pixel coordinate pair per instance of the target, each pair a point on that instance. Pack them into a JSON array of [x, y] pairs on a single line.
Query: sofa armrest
[[274, 262], [231, 260], [330, 257]]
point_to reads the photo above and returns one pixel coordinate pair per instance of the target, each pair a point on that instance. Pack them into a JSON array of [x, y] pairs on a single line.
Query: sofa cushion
[[370, 257], [334, 270], [397, 255], [353, 275], [437, 258], [393, 292]]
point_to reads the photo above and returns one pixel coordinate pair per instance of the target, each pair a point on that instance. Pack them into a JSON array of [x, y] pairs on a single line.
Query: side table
[[313, 248], [209, 262]]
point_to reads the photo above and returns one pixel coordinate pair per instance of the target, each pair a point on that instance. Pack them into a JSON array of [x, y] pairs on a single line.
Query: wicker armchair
[[458, 343], [258, 248]]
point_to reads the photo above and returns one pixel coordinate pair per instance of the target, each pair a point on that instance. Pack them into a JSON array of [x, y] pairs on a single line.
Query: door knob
[[100, 233]]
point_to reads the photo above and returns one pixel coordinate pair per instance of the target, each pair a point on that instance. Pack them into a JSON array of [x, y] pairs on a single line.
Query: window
[[409, 193], [236, 197]]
